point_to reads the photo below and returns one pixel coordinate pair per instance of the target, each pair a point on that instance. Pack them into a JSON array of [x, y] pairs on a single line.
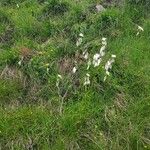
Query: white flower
[[59, 77], [74, 70], [96, 60], [87, 79], [20, 61], [104, 41], [140, 28], [88, 64], [81, 35], [102, 50], [113, 56], [105, 78], [137, 33], [47, 69], [85, 55], [18, 5], [108, 65], [79, 42]]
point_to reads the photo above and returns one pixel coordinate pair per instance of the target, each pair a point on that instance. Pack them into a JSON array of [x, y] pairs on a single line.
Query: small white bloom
[[137, 33], [113, 56], [107, 73], [105, 78], [59, 76], [74, 70], [140, 28], [85, 55], [47, 69], [79, 42], [87, 79], [19, 62], [18, 5], [96, 60], [104, 41], [102, 50], [108, 65], [88, 64], [81, 35]]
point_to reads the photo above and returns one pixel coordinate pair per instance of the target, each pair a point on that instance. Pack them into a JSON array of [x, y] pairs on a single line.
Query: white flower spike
[[59, 77], [96, 60], [18, 5], [20, 61], [104, 41], [74, 70], [140, 28], [85, 55], [87, 79], [79, 42], [113, 56], [108, 65], [102, 50], [88, 65], [81, 35]]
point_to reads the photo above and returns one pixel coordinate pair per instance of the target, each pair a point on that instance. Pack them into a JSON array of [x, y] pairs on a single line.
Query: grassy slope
[[106, 115]]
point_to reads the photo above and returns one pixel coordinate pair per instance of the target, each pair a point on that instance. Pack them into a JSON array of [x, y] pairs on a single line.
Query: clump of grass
[[56, 8], [10, 91], [7, 29]]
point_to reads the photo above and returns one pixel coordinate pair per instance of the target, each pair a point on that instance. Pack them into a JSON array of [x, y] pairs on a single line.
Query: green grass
[[37, 114]]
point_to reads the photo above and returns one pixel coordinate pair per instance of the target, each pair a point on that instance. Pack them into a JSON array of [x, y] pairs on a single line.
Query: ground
[[46, 106]]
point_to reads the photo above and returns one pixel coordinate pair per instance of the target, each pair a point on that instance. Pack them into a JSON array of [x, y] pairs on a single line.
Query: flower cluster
[[94, 61], [97, 58]]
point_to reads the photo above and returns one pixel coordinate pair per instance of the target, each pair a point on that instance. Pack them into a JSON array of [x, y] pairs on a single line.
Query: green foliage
[[10, 2], [55, 7], [9, 91], [41, 110]]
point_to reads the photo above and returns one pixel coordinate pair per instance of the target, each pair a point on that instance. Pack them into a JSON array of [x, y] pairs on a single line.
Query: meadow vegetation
[[44, 105]]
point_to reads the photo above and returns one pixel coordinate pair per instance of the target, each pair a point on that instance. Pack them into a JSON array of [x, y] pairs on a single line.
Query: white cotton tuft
[[79, 42], [81, 35], [113, 56], [96, 60], [74, 70], [108, 65], [140, 28], [85, 55], [59, 76], [102, 50], [87, 79]]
